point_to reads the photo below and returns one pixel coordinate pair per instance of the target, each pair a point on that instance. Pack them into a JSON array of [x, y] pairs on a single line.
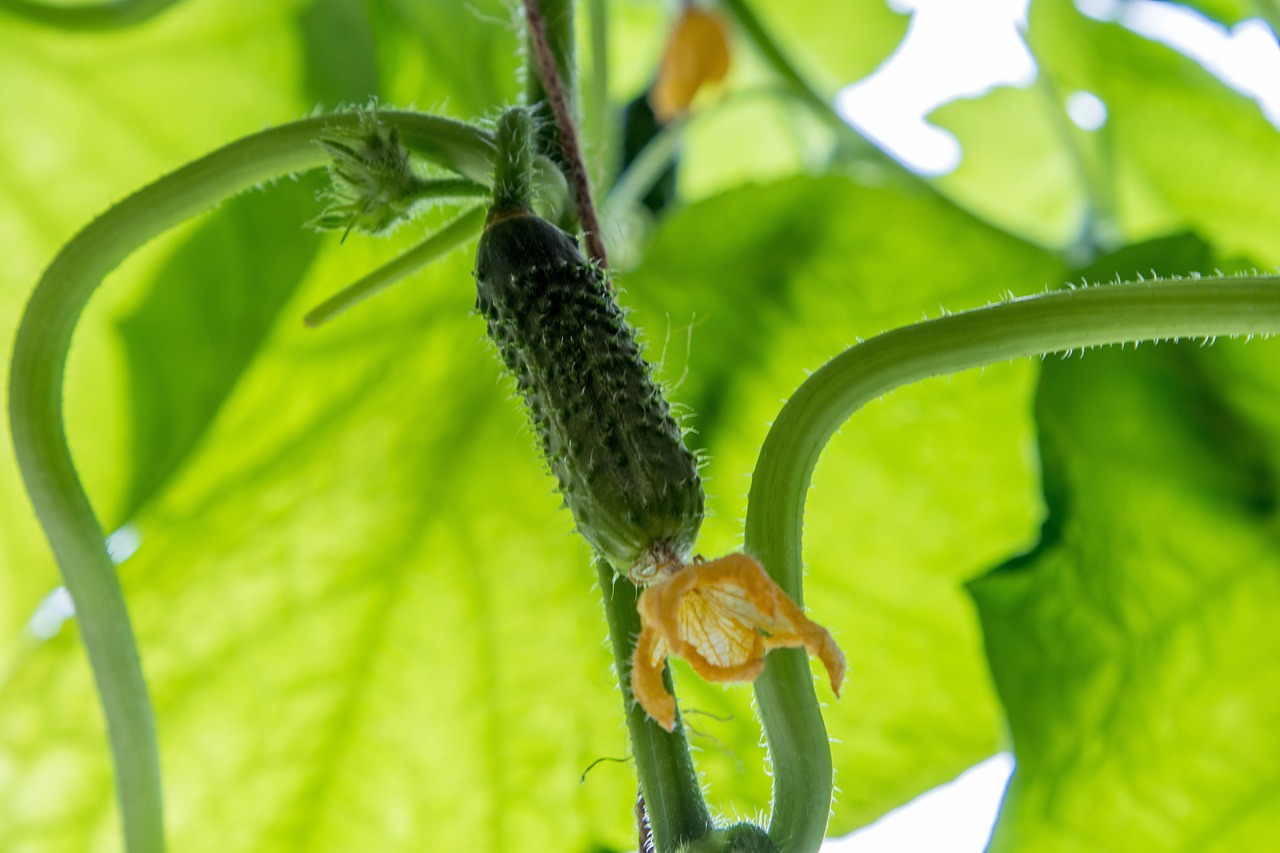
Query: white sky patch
[[954, 818], [51, 615], [1086, 110], [951, 50], [122, 544]]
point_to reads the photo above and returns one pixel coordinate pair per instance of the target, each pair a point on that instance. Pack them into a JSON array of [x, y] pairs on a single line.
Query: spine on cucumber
[[607, 431]]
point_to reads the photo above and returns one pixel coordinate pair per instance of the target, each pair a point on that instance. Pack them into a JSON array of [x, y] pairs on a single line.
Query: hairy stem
[[39, 434], [668, 780], [1062, 321]]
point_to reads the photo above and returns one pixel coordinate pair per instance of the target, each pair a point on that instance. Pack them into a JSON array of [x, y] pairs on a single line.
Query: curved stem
[[39, 435], [1062, 321], [87, 17], [668, 781]]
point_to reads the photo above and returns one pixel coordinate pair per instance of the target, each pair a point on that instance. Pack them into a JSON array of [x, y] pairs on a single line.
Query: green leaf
[[1227, 12], [340, 52], [1134, 649], [213, 301], [461, 59], [834, 43], [1179, 149], [1016, 167]]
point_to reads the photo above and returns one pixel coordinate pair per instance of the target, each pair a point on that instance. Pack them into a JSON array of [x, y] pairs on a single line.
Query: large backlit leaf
[[1135, 649], [1016, 166], [835, 42], [1179, 148], [212, 301]]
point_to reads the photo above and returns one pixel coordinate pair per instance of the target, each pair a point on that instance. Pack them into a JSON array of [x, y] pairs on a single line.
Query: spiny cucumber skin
[[607, 432]]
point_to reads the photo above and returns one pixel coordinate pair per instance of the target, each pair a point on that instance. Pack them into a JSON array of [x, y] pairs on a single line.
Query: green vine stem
[[87, 17], [1062, 321], [39, 434], [668, 781]]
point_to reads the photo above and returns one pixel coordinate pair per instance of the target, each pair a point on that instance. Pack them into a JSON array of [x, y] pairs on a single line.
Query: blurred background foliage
[[367, 625]]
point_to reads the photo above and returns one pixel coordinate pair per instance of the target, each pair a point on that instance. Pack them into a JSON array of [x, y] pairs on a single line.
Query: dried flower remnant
[[722, 617], [697, 53]]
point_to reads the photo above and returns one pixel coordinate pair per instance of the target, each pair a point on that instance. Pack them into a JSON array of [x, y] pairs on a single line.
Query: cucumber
[[607, 432]]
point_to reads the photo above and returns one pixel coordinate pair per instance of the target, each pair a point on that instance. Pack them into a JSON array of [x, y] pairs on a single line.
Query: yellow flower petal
[[646, 679], [697, 53], [722, 617]]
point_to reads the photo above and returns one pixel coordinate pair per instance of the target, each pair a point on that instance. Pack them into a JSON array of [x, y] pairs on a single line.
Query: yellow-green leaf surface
[[1017, 168], [1179, 149], [1135, 649], [833, 44], [836, 43]]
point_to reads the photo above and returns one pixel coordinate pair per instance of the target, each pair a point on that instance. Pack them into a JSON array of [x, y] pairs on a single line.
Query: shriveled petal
[[646, 678], [697, 53], [803, 631]]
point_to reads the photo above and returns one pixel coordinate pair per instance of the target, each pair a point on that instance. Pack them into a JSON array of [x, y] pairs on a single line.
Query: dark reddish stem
[[558, 100]]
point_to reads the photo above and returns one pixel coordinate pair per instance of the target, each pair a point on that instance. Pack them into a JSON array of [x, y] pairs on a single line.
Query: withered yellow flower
[[697, 53], [722, 617]]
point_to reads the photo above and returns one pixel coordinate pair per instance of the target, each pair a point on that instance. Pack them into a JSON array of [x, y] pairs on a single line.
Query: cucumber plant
[[515, 178]]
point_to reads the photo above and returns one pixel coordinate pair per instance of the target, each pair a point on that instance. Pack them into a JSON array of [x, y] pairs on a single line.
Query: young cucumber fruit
[[606, 430]]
